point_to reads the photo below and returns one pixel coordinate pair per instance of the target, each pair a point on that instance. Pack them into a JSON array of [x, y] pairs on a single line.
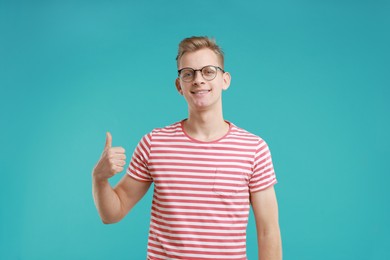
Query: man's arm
[[114, 203], [265, 209]]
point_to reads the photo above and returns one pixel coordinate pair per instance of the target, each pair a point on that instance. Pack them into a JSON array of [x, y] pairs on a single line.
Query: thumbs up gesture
[[112, 161]]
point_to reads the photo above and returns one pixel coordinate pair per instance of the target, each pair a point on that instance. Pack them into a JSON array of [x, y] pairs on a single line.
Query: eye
[[208, 71], [187, 73]]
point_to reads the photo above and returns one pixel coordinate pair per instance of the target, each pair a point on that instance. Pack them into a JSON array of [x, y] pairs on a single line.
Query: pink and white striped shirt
[[201, 195]]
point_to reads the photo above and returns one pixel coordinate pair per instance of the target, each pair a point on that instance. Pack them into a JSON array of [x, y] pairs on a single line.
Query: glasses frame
[[201, 69]]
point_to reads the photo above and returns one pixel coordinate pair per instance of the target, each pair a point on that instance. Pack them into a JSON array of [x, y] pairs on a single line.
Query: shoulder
[[167, 132], [243, 134], [250, 140], [160, 134], [172, 128]]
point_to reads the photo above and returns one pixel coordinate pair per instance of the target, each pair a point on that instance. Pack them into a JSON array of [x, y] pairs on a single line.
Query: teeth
[[200, 91]]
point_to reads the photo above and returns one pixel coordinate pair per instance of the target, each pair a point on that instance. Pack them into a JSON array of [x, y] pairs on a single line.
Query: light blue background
[[310, 77]]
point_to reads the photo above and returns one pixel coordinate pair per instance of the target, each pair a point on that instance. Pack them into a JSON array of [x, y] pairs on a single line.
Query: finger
[[113, 154], [119, 163], [120, 150], [108, 141], [117, 169], [118, 156]]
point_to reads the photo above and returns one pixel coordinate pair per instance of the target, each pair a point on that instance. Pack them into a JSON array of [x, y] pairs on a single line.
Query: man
[[206, 173]]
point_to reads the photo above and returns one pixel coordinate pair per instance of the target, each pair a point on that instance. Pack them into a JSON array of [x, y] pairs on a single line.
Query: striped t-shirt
[[201, 194]]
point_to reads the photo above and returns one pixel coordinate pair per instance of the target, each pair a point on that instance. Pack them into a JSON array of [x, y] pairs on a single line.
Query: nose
[[198, 78]]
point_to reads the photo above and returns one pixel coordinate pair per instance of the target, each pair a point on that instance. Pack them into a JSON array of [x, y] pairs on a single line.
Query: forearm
[[270, 245], [107, 201]]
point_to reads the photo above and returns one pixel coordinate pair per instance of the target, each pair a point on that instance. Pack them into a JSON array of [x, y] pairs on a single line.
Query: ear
[[178, 86], [226, 80]]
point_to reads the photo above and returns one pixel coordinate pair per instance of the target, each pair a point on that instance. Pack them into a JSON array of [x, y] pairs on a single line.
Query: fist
[[111, 162]]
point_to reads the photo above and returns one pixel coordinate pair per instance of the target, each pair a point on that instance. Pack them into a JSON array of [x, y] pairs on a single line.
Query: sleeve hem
[[137, 178], [264, 187]]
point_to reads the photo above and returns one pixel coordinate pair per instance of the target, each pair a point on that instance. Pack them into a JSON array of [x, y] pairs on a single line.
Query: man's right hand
[[112, 161]]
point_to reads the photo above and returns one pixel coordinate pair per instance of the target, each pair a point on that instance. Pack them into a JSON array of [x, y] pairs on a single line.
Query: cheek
[[185, 87]]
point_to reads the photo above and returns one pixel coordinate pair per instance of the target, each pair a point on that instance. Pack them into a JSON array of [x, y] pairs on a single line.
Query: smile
[[200, 92]]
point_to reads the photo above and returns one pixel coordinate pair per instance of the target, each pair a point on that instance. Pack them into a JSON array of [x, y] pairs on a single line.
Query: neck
[[206, 125]]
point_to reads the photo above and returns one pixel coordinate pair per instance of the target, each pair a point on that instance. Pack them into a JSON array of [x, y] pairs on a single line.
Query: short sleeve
[[138, 167], [263, 174]]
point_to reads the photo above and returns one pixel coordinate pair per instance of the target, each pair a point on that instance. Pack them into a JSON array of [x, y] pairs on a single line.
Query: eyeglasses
[[208, 72]]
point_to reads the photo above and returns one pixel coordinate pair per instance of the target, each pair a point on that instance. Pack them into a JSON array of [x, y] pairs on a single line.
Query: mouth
[[201, 91]]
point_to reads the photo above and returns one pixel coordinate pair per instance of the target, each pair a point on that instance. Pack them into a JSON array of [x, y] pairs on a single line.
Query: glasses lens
[[209, 72], [187, 74]]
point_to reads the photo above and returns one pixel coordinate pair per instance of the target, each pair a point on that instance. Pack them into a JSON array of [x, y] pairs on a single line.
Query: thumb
[[108, 141]]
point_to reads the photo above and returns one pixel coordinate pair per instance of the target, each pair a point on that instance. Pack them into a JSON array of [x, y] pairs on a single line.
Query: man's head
[[201, 77], [195, 43]]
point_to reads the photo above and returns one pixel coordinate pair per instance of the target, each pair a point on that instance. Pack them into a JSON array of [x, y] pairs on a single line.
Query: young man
[[206, 173]]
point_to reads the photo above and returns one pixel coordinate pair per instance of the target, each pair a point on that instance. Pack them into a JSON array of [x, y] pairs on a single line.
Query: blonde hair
[[195, 43]]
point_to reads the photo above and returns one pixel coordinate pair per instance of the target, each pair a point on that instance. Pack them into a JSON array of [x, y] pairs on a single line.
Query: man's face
[[199, 93]]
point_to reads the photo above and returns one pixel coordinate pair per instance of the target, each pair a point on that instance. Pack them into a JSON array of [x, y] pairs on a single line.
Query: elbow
[[112, 217], [110, 220], [273, 232], [270, 235], [106, 222]]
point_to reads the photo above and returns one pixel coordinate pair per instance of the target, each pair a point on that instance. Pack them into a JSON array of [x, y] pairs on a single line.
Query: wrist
[[97, 177]]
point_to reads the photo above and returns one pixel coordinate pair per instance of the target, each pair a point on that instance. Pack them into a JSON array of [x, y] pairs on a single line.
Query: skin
[[205, 123]]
